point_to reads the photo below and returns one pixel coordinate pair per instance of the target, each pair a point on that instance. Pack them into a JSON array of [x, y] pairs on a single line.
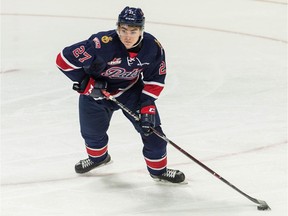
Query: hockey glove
[[147, 119], [91, 87]]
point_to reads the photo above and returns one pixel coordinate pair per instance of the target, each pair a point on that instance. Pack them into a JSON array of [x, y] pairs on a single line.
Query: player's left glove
[[147, 119]]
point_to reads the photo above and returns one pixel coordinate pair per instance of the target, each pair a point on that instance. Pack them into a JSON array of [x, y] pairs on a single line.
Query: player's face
[[129, 35]]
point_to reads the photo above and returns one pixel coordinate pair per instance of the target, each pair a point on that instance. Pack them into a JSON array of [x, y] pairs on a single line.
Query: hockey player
[[129, 64]]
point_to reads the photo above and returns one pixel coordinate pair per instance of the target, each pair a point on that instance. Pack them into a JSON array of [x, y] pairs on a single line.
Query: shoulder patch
[[106, 39], [97, 43], [159, 44]]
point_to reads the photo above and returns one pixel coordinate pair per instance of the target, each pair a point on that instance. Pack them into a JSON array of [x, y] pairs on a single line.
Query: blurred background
[[225, 102]]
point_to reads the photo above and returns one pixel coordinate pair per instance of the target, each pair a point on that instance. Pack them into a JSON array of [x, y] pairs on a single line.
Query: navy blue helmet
[[131, 16]]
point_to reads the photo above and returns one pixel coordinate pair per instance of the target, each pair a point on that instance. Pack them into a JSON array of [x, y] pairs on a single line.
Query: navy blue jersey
[[104, 57]]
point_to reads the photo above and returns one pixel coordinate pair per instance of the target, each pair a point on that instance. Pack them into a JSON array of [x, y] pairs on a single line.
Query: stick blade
[[263, 206]]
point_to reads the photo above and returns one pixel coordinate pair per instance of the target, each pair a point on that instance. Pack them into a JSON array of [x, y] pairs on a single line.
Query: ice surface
[[225, 102]]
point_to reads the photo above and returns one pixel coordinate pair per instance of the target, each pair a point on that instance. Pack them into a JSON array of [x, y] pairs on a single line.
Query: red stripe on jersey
[[96, 152], [153, 89], [157, 164], [62, 64]]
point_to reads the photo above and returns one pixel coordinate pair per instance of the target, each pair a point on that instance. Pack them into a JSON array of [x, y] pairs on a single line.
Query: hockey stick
[[262, 204]]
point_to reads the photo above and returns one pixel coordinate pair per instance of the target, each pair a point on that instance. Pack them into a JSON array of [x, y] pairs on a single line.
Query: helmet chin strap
[[139, 41]]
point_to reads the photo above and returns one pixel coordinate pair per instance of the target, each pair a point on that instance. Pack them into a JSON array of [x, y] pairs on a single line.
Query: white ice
[[225, 102]]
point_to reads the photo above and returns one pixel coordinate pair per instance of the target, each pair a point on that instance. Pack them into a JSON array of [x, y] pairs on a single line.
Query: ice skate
[[173, 176], [86, 165]]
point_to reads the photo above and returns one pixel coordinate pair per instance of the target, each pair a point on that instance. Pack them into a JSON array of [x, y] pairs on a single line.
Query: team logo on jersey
[[106, 39], [97, 43], [130, 62], [121, 73], [115, 61]]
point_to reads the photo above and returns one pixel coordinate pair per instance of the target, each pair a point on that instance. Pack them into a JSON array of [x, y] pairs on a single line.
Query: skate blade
[[165, 182]]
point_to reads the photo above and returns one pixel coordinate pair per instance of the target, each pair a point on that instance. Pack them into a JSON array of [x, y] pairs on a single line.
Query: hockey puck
[[263, 207]]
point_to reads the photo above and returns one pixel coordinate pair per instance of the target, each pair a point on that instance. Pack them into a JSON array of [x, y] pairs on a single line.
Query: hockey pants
[[95, 116]]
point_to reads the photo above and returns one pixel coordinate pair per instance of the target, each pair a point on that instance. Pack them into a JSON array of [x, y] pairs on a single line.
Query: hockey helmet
[[131, 16]]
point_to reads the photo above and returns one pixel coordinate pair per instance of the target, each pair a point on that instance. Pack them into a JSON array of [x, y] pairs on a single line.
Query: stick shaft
[[162, 136]]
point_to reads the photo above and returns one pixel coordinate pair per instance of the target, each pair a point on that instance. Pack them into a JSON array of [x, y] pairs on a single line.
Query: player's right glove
[[91, 87], [147, 119]]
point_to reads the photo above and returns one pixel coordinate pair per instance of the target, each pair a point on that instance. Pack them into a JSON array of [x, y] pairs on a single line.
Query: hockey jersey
[[104, 57]]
